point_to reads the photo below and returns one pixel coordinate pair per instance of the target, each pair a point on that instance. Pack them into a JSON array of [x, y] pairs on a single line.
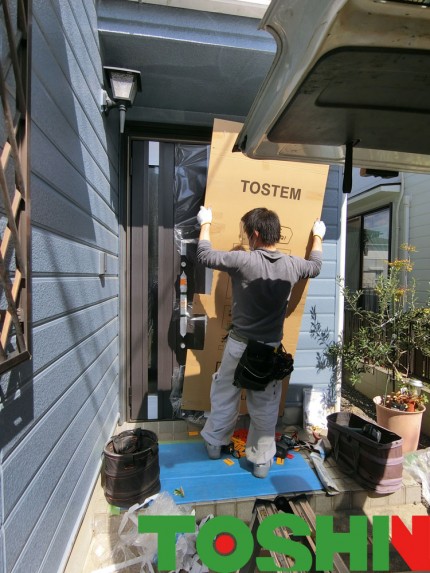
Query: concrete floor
[[108, 539]]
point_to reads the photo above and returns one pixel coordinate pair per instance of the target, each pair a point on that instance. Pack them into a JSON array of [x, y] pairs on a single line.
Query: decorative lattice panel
[[14, 184]]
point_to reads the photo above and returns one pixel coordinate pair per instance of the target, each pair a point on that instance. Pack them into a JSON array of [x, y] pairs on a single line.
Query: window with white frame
[[367, 252]]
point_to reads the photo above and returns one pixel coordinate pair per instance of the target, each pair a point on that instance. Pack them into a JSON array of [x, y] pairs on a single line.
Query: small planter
[[405, 424]]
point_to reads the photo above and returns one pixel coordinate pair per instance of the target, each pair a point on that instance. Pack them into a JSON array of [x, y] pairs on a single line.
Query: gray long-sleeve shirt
[[261, 283]]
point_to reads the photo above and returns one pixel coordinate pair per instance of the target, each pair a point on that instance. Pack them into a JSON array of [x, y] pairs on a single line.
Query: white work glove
[[204, 215], [319, 229]]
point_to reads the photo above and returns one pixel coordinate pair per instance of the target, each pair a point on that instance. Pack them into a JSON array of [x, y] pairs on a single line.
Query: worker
[[262, 280]]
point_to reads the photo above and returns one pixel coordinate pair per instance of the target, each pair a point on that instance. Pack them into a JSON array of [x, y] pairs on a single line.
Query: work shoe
[[214, 452], [261, 470]]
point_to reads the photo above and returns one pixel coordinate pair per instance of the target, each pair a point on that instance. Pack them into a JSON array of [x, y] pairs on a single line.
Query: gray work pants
[[263, 408]]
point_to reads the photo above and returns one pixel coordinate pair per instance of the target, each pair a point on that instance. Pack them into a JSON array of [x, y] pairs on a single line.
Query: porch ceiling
[[195, 65]]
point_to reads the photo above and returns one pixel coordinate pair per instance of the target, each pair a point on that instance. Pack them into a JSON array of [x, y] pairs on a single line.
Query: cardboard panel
[[237, 184]]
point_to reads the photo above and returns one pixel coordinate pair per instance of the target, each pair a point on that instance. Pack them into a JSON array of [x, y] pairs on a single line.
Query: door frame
[[132, 132]]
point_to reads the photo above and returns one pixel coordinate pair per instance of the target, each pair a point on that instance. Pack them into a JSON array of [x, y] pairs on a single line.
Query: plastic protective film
[[191, 164]]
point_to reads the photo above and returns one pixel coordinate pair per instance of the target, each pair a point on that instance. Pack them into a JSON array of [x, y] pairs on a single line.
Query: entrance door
[[167, 185]]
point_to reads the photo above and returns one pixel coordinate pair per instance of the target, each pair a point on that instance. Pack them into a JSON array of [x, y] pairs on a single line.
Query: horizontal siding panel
[[56, 83], [61, 406], [307, 343], [80, 36], [419, 220], [59, 295], [56, 338], [57, 171], [421, 266], [328, 270], [54, 254], [419, 198], [333, 178], [63, 137], [332, 231], [31, 509], [35, 399], [324, 320], [328, 254], [322, 296], [330, 216], [76, 497], [306, 373], [79, 470], [322, 288], [414, 180], [418, 188], [327, 305], [87, 20], [55, 62], [22, 466], [329, 250], [53, 211]]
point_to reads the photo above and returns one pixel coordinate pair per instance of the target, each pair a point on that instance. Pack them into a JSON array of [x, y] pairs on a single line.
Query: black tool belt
[[260, 364]]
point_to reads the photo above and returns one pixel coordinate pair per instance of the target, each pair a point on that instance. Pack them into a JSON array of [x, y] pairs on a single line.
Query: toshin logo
[[225, 543]]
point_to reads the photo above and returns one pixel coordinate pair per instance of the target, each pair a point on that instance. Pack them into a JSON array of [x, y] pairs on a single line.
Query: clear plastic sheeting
[[134, 551], [176, 393], [324, 475], [314, 409], [418, 464], [191, 165]]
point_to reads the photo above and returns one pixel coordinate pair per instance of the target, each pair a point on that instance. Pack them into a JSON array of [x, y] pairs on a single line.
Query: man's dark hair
[[264, 221]]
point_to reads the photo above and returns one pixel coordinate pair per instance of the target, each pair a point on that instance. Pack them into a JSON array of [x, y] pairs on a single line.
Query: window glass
[[375, 248], [367, 252], [353, 259]]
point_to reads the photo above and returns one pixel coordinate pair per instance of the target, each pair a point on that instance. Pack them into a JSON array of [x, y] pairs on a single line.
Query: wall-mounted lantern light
[[123, 84]]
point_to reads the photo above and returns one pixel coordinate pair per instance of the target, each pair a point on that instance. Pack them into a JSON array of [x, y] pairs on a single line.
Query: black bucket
[[131, 468]]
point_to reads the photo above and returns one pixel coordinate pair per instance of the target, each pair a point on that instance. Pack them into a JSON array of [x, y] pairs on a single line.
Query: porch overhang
[[194, 65]]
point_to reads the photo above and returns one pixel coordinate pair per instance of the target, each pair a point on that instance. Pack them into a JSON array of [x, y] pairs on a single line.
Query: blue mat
[[186, 465]]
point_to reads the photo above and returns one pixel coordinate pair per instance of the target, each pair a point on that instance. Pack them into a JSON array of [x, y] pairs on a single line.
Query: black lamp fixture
[[124, 85]]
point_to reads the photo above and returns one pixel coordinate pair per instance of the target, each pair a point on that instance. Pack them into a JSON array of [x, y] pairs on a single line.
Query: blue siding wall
[[417, 187], [59, 409], [322, 297]]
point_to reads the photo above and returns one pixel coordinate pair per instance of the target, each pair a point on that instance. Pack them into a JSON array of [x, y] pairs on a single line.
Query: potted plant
[[387, 337]]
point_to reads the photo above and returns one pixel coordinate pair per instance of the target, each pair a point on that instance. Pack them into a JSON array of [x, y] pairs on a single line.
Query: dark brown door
[[167, 187]]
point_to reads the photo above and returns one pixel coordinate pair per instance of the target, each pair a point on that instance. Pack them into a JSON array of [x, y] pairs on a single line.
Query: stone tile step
[[352, 495], [321, 503], [98, 536]]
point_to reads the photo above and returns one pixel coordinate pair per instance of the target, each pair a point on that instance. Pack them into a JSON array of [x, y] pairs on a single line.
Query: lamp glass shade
[[124, 83], [123, 86]]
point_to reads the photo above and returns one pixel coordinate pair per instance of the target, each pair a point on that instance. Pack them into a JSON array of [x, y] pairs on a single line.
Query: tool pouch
[[260, 364], [284, 363]]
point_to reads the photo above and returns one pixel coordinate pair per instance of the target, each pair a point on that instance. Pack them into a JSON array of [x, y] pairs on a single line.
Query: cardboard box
[[237, 184]]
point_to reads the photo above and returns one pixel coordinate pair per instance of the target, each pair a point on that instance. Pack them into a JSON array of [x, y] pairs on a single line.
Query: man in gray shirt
[[262, 280]]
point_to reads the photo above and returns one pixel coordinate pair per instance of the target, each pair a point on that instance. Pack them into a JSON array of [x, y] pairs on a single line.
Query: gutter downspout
[[340, 299], [406, 218], [406, 230], [397, 221]]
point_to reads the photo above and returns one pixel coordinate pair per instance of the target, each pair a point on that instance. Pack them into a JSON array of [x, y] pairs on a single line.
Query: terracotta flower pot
[[405, 424]]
